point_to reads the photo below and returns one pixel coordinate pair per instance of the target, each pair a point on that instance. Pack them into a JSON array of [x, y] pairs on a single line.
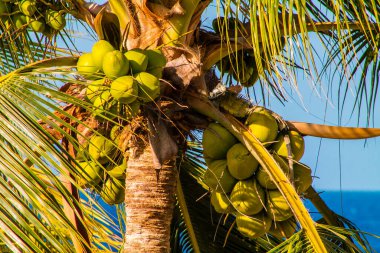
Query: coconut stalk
[[205, 107]]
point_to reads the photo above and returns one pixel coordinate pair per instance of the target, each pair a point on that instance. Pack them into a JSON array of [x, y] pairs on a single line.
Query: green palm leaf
[[334, 20], [28, 98]]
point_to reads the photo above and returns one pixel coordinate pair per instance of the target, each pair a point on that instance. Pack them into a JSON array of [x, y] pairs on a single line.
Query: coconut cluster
[[33, 14], [242, 65], [118, 83], [240, 186], [121, 79], [102, 166]]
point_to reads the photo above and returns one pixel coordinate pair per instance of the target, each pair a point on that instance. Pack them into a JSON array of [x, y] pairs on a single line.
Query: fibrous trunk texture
[[149, 202]]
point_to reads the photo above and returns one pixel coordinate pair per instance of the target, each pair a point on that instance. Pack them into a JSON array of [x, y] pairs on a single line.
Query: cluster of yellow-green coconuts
[[32, 14], [117, 84], [240, 186], [102, 166], [121, 80]]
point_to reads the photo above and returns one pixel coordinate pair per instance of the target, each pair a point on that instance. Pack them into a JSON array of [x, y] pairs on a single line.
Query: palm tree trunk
[[149, 202]]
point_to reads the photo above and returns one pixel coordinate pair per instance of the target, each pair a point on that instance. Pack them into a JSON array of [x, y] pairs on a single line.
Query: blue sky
[[345, 164], [354, 167]]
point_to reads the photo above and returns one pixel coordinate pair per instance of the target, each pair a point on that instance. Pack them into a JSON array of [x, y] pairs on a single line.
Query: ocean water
[[360, 207]]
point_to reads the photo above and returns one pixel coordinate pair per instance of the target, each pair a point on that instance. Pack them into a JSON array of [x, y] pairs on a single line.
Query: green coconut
[[250, 63], [37, 25], [49, 32], [302, 177], [115, 132], [86, 65], [247, 197], [157, 72], [55, 19], [102, 102], [243, 73], [224, 65], [220, 202], [156, 59], [217, 141], [82, 152], [106, 107], [90, 173], [124, 89], [19, 20], [241, 163], [119, 171], [132, 110], [156, 62], [283, 229], [297, 145], [263, 177], [215, 24], [115, 64], [113, 191], [101, 149], [138, 60], [149, 86], [263, 125], [99, 50], [28, 7], [94, 89], [4, 7], [253, 226], [218, 178], [224, 24], [277, 207], [83, 155], [108, 111]]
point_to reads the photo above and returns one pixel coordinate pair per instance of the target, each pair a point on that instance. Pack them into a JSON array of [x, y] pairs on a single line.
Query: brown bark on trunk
[[149, 202]]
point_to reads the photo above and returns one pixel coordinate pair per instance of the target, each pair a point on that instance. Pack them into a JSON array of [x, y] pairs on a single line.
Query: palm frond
[[34, 165], [21, 46], [336, 239], [277, 35], [362, 56], [348, 238]]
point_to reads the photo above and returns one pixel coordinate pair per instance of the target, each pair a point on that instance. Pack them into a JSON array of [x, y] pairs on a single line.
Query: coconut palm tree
[[47, 122]]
